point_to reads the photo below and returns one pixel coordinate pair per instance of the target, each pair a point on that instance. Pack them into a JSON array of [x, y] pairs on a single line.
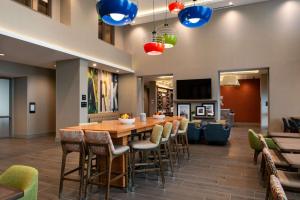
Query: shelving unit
[[164, 100]]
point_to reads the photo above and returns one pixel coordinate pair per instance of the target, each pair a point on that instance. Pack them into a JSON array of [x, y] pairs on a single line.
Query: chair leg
[[177, 150], [63, 166], [89, 166], [109, 163], [161, 168], [132, 169], [187, 145], [268, 192], [170, 158], [256, 153], [127, 166], [81, 170]]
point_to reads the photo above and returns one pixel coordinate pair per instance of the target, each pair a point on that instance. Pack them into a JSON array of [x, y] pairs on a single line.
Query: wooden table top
[[117, 130], [8, 193], [284, 135], [288, 144], [293, 159]]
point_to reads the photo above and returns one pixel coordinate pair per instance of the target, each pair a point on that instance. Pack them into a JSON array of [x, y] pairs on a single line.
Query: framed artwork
[[184, 110], [200, 111], [209, 108]]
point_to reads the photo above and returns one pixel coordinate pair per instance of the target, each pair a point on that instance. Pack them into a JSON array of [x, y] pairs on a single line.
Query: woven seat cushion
[[143, 145], [289, 179], [119, 149], [70, 136], [276, 189], [278, 159]]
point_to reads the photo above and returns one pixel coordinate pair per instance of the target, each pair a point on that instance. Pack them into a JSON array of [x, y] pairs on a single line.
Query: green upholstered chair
[[23, 178], [256, 145], [183, 136], [166, 144]]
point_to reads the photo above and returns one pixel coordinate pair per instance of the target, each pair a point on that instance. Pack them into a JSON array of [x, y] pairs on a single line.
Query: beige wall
[[31, 84], [80, 38], [258, 35]]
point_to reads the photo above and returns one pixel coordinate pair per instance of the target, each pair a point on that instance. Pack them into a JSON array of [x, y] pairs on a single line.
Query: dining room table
[[292, 159], [284, 135], [9, 193], [288, 145], [121, 134]]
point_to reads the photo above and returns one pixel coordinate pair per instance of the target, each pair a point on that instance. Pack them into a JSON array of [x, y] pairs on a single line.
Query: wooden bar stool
[[174, 140], [148, 146], [276, 189], [183, 138], [166, 144], [99, 143], [72, 141]]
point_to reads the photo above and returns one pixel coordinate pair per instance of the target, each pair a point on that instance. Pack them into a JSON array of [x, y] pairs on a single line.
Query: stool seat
[[181, 132], [119, 150], [143, 145]]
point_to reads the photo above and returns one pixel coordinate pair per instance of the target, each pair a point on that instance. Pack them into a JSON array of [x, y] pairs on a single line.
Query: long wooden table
[[290, 145], [8, 193], [284, 135], [292, 159], [121, 133]]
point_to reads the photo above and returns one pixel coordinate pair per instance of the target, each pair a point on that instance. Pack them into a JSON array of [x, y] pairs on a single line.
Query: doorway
[[244, 97], [5, 101]]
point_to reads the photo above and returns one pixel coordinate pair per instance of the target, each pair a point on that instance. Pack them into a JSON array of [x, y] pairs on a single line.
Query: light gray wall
[[31, 84], [258, 35]]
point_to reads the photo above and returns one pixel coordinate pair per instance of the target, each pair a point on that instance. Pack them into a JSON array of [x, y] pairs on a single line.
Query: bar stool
[[146, 146], [165, 143], [72, 141], [174, 140], [183, 138], [99, 143]]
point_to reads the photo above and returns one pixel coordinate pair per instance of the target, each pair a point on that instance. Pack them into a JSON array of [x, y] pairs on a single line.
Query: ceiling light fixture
[[94, 65], [241, 72], [117, 12], [195, 16], [230, 3], [2, 54], [156, 45]]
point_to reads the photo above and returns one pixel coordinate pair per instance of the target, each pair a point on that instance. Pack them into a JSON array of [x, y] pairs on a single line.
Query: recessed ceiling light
[[2, 54], [54, 65], [231, 3], [94, 64], [118, 71]]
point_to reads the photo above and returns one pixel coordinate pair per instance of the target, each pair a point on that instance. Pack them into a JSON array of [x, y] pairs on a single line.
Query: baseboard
[[36, 135]]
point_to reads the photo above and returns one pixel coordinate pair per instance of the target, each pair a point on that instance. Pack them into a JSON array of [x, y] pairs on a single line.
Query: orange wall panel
[[244, 100]]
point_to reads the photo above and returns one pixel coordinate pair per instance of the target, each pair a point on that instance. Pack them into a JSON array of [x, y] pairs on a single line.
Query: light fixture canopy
[[155, 46], [176, 7], [195, 16], [117, 12]]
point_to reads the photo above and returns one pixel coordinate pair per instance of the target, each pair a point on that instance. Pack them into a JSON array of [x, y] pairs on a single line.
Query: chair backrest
[[99, 142], [263, 141], [276, 189], [270, 165], [167, 130], [293, 126], [176, 125], [286, 126], [72, 140], [184, 124], [156, 134], [23, 178], [254, 140]]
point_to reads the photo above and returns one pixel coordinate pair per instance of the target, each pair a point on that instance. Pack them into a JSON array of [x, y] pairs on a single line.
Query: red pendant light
[[155, 47], [176, 7]]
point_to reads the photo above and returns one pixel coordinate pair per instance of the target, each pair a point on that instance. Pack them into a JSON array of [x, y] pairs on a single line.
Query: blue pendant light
[[117, 12], [195, 16]]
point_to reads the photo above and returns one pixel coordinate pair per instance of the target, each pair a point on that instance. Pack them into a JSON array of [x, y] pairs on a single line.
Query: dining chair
[[22, 177], [289, 180], [148, 146], [166, 145], [174, 140], [99, 143], [72, 141], [276, 189], [183, 143]]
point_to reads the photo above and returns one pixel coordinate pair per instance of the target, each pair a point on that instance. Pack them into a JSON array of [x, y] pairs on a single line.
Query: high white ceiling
[[145, 13]]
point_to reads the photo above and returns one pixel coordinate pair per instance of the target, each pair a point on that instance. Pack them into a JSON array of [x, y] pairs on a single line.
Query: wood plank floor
[[213, 173]]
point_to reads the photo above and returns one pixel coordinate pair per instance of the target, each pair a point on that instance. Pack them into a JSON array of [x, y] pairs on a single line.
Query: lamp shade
[[117, 12], [170, 40], [195, 16], [167, 35], [175, 7], [154, 48]]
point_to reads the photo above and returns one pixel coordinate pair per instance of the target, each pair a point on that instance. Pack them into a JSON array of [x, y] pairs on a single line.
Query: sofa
[[215, 133], [194, 133]]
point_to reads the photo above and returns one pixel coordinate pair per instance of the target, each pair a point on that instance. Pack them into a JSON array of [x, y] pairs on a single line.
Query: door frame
[[10, 106]]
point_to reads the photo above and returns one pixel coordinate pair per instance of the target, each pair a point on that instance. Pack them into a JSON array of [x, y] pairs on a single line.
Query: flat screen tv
[[193, 89]]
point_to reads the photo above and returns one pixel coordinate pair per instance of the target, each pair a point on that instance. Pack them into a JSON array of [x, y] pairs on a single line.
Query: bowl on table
[[159, 116], [127, 121]]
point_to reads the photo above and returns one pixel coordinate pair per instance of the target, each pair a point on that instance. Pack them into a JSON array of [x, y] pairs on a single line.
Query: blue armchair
[[194, 134], [216, 134]]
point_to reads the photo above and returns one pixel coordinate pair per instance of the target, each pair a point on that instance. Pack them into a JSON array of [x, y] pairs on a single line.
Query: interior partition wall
[[5, 114]]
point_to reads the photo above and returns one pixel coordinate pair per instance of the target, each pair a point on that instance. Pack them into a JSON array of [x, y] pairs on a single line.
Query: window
[[106, 32], [42, 6]]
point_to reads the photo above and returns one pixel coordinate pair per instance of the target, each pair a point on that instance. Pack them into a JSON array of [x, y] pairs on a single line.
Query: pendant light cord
[[166, 16]]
